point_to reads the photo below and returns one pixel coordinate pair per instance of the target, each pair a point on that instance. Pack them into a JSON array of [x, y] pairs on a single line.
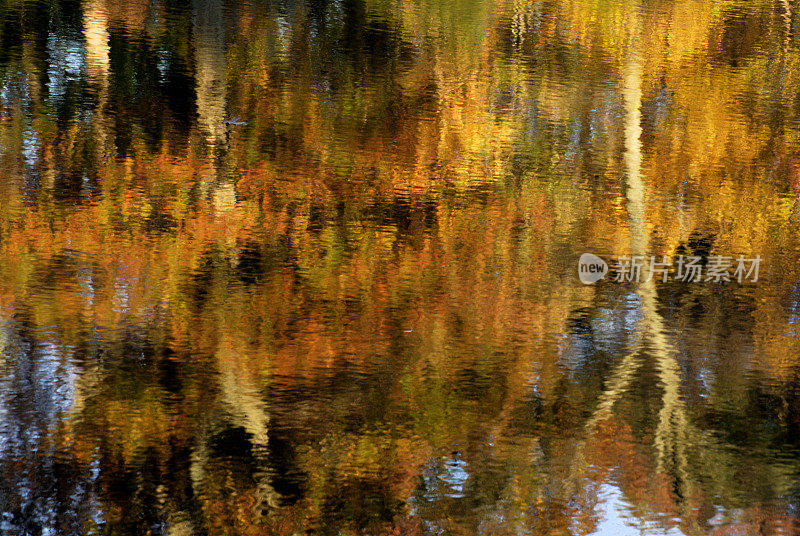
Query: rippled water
[[311, 267]]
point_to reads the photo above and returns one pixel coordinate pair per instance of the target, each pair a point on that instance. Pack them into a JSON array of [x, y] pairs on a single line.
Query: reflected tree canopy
[[354, 310]]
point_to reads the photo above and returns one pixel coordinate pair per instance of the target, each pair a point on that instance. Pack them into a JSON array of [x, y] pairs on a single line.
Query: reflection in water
[[287, 268]]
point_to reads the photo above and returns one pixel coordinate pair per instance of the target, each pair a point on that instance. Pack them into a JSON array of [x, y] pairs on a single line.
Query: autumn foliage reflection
[[358, 312]]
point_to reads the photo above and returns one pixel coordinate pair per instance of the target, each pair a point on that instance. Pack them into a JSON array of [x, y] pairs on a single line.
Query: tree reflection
[[357, 312]]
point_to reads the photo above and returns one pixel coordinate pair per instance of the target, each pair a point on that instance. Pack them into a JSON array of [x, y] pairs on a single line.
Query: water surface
[[310, 267]]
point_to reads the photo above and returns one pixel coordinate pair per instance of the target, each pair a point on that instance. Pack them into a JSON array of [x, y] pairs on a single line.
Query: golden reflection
[[355, 311]]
